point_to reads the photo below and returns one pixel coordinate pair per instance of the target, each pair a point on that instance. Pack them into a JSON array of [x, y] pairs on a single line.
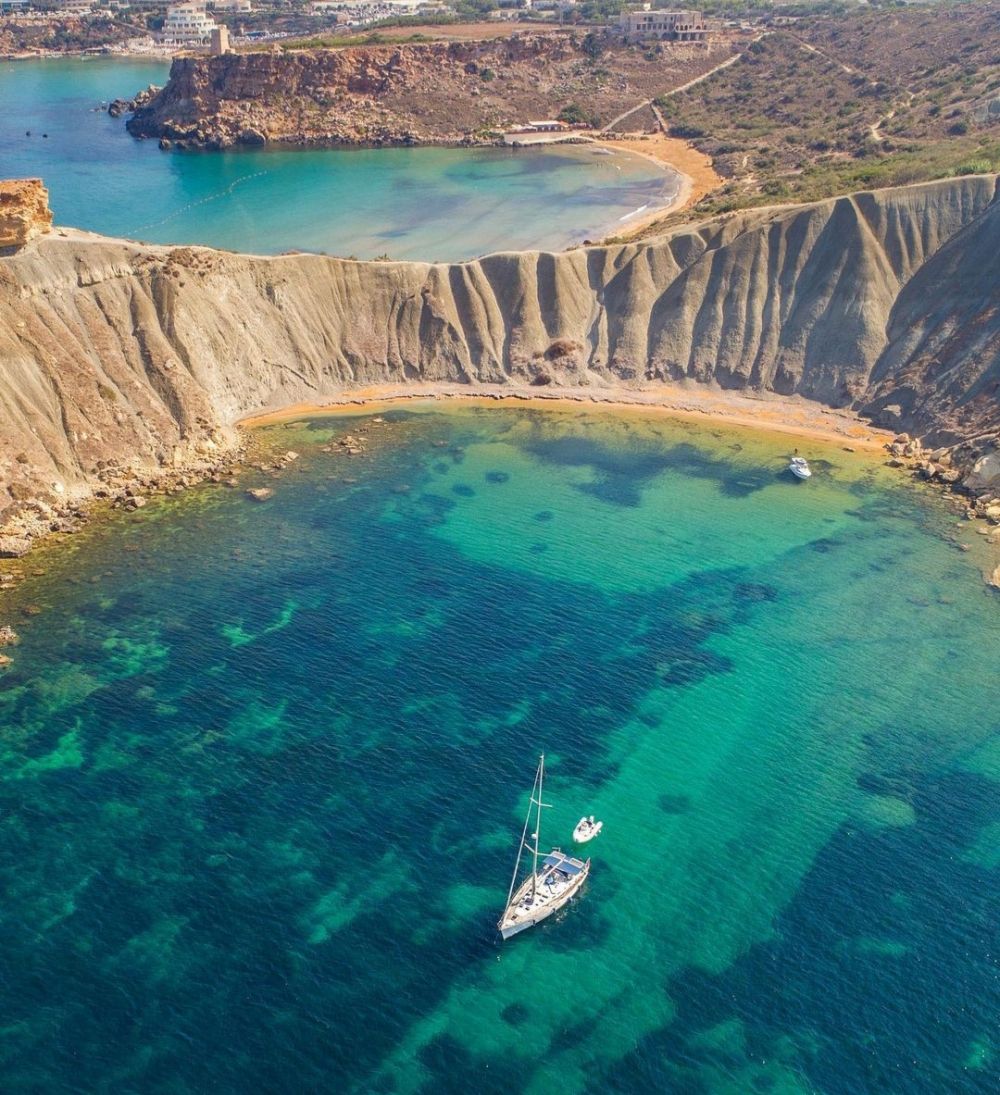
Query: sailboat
[[554, 877]]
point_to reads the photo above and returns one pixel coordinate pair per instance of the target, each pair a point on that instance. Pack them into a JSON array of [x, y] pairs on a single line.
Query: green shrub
[[974, 167], [574, 114], [687, 131]]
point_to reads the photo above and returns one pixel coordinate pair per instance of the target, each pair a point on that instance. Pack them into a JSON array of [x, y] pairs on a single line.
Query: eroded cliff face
[[24, 211], [408, 93], [884, 302]]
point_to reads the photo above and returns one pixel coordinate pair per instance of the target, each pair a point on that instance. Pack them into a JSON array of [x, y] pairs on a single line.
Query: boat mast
[[524, 833], [538, 823]]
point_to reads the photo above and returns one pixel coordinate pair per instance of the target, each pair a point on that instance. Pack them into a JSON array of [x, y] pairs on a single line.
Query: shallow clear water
[[421, 203], [265, 765]]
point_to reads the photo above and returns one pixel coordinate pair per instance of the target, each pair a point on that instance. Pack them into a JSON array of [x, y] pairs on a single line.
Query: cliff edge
[[881, 302], [443, 92], [24, 212]]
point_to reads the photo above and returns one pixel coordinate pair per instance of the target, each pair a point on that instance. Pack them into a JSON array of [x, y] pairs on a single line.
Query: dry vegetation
[[859, 100], [17, 37]]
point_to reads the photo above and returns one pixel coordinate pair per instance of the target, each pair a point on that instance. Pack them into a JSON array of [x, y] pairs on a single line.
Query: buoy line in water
[[202, 201]]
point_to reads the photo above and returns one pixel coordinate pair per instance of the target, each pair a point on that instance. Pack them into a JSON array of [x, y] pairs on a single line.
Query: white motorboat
[[799, 467], [586, 829], [552, 882]]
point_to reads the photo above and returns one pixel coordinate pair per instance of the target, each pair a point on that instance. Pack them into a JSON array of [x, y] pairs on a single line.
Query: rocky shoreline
[[118, 486], [452, 93], [968, 475]]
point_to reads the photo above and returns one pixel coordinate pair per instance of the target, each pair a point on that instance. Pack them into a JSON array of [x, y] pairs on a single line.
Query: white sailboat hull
[[553, 889]]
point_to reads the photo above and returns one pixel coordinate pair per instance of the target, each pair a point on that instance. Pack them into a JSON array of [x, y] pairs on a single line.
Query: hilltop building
[[187, 24], [663, 26]]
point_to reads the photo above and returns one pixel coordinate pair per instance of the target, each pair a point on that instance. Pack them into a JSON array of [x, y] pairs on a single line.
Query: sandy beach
[[774, 414], [697, 176]]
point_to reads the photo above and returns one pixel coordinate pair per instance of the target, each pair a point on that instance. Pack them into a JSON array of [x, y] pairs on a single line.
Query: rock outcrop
[[118, 107], [403, 94], [882, 302], [24, 211]]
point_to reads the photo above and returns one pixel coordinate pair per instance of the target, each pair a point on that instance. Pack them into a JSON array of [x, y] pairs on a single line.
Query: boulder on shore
[[985, 473], [8, 636], [13, 547], [260, 494]]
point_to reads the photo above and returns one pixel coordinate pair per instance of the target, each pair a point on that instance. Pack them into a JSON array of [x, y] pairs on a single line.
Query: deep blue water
[[264, 767]]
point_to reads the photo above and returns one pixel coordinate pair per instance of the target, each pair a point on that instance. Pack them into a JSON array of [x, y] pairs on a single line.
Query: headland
[[445, 92]]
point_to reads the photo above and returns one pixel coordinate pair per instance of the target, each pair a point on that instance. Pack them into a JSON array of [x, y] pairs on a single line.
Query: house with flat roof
[[663, 26]]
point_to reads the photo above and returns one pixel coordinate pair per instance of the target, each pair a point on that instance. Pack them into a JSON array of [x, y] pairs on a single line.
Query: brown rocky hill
[[884, 302], [55, 34], [438, 91], [854, 99]]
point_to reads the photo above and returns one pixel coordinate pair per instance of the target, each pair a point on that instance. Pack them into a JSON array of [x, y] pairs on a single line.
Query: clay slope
[[885, 302]]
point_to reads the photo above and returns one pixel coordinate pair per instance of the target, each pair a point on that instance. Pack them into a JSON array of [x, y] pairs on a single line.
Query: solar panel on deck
[[562, 863]]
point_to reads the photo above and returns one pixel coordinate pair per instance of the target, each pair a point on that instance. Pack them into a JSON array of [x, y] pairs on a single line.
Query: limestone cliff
[[407, 93], [24, 211], [885, 302]]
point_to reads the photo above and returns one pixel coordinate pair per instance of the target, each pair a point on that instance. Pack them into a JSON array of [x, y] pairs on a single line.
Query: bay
[[403, 203], [264, 768]]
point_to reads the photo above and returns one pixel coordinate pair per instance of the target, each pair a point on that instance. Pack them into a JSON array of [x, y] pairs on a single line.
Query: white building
[[237, 7], [187, 25]]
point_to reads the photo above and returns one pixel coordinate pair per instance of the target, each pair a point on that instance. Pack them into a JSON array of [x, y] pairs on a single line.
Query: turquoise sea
[[264, 768], [422, 203]]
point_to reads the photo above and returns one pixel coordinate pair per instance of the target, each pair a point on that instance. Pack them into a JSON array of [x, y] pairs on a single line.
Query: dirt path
[[809, 48], [673, 91], [711, 72], [628, 114]]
